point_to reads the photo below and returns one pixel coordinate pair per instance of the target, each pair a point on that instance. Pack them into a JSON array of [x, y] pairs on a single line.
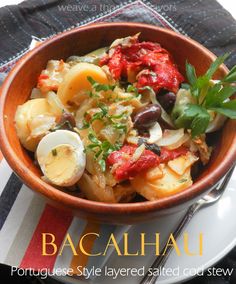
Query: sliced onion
[[184, 97], [155, 133], [171, 137], [218, 119], [132, 139], [84, 107], [216, 123], [125, 41], [138, 152], [98, 52], [55, 103], [164, 115], [180, 142], [182, 163]]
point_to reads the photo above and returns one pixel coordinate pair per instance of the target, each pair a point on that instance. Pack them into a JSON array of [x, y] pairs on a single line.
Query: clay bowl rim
[[76, 203]]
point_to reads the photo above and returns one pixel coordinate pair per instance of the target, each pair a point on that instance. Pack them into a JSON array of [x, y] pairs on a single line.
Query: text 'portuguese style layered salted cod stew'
[[121, 124]]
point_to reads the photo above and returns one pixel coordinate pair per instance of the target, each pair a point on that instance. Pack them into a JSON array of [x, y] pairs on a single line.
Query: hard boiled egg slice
[[61, 157]]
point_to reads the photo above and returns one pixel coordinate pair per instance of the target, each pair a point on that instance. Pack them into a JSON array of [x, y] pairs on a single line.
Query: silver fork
[[210, 198]]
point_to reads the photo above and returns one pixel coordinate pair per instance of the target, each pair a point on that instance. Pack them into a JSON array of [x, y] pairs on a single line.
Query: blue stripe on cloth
[[8, 197]]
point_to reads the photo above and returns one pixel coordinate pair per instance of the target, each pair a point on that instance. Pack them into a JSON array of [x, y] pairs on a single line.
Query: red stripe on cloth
[[53, 221]]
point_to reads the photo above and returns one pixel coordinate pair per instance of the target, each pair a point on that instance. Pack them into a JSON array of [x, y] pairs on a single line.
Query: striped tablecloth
[[29, 216], [25, 215]]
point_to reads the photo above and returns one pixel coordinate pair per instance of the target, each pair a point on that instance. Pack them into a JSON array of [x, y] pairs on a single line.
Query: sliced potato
[[169, 184], [75, 83], [180, 164], [145, 188], [154, 173], [24, 115], [22, 129]]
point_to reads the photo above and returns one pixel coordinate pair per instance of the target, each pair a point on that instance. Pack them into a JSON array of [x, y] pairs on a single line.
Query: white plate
[[216, 222]]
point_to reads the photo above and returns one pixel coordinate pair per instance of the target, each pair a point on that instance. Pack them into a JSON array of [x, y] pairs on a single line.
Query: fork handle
[[162, 258]]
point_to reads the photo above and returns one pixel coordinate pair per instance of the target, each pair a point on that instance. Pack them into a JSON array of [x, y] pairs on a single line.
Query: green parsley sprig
[[208, 97]]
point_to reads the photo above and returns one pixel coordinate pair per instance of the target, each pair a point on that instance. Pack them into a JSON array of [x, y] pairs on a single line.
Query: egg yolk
[[61, 165]]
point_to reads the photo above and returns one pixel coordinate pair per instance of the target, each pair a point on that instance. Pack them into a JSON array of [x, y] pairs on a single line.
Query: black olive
[[147, 116], [66, 116], [67, 122], [152, 147], [166, 99]]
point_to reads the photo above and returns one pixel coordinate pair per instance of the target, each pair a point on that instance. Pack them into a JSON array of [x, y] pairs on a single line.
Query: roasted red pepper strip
[[155, 63], [127, 169], [168, 155], [116, 62], [163, 74], [43, 77], [131, 169]]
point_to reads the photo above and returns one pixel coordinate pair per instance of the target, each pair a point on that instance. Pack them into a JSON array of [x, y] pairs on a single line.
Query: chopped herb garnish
[[102, 164], [102, 149], [101, 114], [97, 116], [94, 139], [86, 125], [104, 116], [126, 99], [133, 89], [120, 126], [104, 108], [100, 87], [93, 95], [118, 116], [54, 152]]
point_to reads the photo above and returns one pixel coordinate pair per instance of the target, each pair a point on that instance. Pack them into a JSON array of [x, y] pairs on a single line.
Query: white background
[[229, 5]]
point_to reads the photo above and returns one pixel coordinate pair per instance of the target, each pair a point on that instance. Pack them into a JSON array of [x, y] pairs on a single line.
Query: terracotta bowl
[[19, 83]]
